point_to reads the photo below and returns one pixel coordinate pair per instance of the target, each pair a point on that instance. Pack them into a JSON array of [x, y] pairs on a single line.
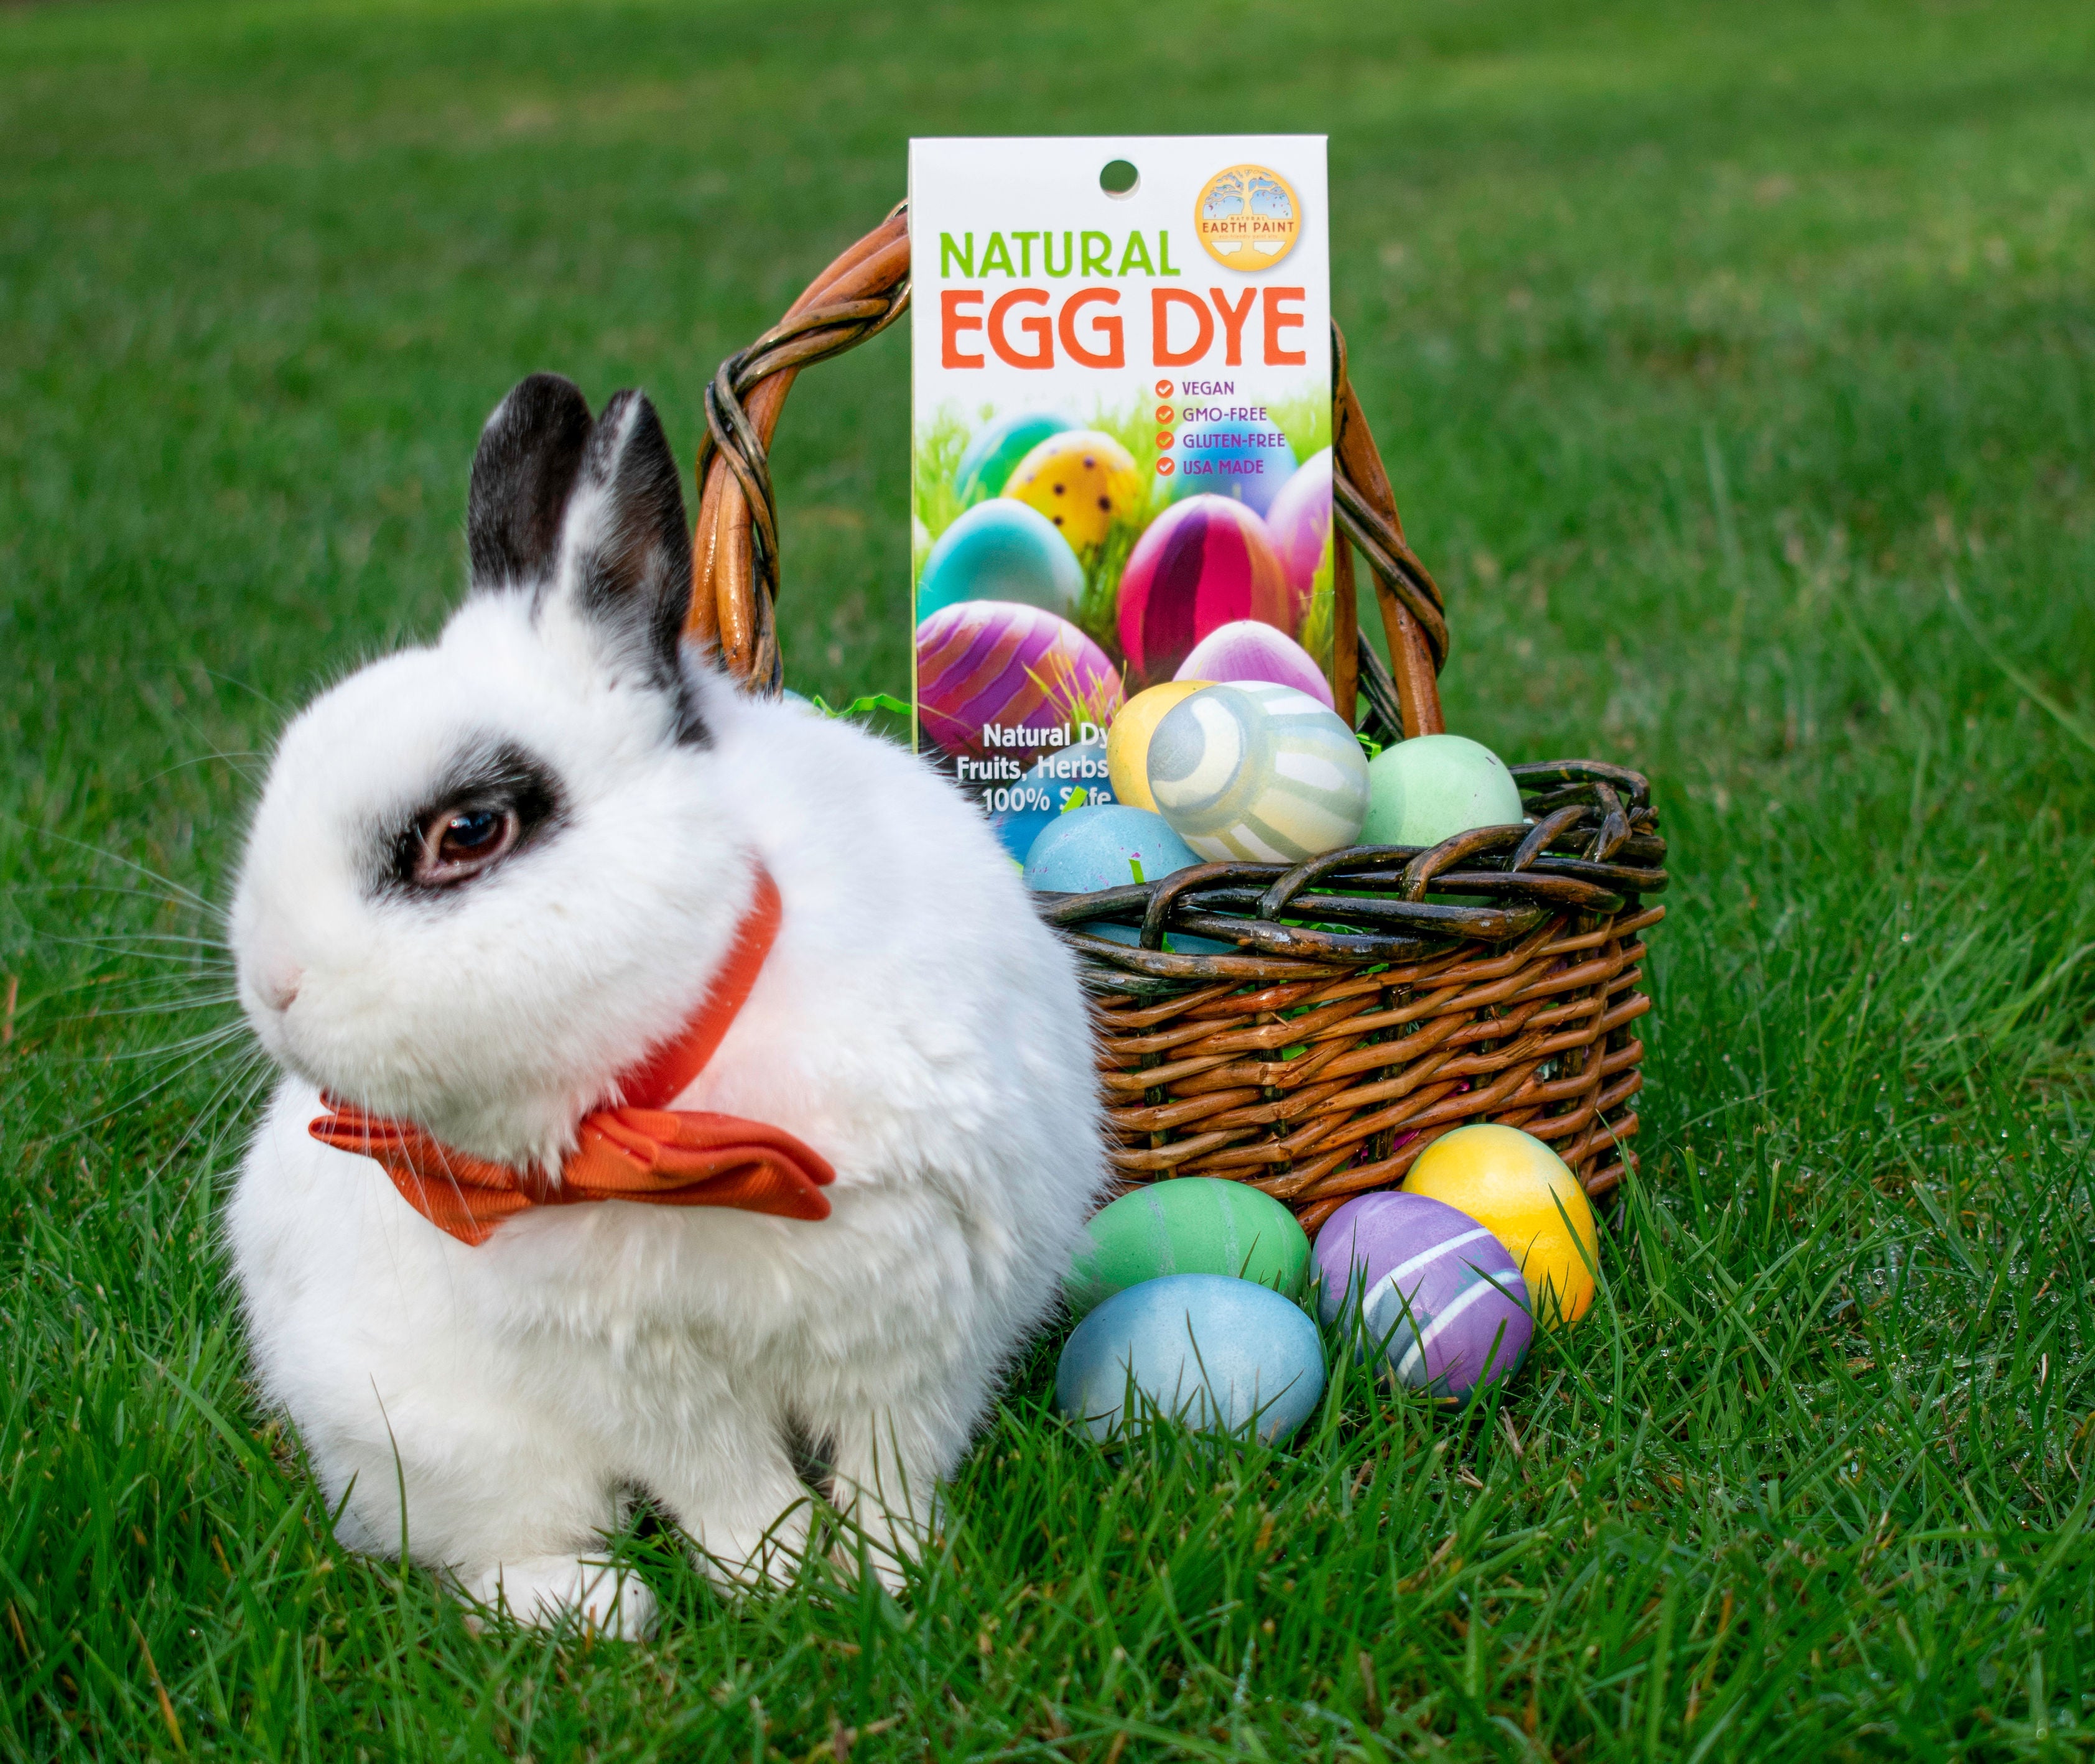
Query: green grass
[[1708, 347]]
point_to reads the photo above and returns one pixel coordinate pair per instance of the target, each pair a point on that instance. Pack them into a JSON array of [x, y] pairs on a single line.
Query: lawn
[[1736, 368]]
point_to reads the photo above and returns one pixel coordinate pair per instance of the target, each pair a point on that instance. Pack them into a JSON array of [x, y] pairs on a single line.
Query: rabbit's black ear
[[625, 550], [522, 473]]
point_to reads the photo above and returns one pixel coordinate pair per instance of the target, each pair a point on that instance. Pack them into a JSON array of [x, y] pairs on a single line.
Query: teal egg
[[985, 467], [1223, 1355], [1041, 795], [1001, 550], [1192, 1225], [1432, 787], [1258, 773], [1110, 847]]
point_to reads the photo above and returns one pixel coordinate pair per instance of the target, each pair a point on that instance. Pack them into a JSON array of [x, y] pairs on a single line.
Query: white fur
[[915, 1023]]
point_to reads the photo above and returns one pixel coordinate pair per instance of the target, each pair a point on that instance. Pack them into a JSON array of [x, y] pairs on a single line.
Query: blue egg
[[1217, 1352], [1001, 550], [1248, 462], [1044, 792], [1091, 848], [985, 467]]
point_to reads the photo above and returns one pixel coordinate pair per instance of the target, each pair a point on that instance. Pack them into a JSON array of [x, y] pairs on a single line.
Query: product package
[[1120, 462]]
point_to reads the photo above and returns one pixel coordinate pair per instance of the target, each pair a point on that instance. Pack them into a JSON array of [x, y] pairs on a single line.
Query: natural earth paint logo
[[1247, 217]]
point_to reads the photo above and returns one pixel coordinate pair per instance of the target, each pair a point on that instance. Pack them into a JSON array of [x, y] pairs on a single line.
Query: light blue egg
[[1044, 792], [1258, 773], [1246, 461], [985, 467], [1001, 550], [1215, 1351], [1091, 848]]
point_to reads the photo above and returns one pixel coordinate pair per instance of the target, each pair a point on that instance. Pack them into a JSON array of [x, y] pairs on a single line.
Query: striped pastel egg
[[1246, 650], [1202, 562], [1435, 1291], [1259, 773], [985, 662]]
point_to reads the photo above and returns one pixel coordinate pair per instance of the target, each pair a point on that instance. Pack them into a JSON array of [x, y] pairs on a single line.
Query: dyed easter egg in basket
[[1192, 1224], [1248, 462], [984, 662], [985, 467], [1432, 787], [1001, 551], [1300, 521], [1111, 846], [1044, 792], [1202, 564], [1127, 742], [1525, 1195], [1259, 773], [1082, 481], [1431, 1289], [1246, 650], [1214, 1353]]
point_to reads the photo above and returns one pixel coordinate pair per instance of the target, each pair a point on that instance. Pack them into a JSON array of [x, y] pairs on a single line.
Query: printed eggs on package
[[984, 662], [1433, 1290], [1246, 650], [1260, 773], [1203, 562], [1212, 1352], [1512, 1183], [1301, 523], [1247, 461], [985, 467], [1127, 742], [1044, 792], [1082, 481], [1192, 1224], [1001, 551], [1432, 787]]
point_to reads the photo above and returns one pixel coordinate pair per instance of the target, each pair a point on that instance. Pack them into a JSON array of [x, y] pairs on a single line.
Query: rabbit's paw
[[545, 1590]]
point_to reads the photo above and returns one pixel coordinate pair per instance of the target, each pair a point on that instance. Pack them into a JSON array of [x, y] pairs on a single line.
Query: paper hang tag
[[1121, 436]]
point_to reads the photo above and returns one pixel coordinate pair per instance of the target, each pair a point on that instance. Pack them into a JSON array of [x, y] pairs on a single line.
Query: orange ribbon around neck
[[641, 1150]]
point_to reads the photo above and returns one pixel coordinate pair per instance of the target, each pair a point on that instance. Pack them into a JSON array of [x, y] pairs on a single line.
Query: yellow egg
[[1127, 741], [1082, 481], [1514, 1186]]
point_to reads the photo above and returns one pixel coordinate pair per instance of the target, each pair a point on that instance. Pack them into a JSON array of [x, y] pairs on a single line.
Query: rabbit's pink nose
[[280, 986]]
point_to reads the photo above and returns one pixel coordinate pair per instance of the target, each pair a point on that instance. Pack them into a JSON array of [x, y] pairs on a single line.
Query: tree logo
[[1247, 217]]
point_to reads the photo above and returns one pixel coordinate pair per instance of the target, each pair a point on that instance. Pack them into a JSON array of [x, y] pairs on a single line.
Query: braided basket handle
[[734, 545]]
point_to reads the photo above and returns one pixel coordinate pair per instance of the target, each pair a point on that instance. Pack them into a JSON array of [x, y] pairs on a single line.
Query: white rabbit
[[485, 878]]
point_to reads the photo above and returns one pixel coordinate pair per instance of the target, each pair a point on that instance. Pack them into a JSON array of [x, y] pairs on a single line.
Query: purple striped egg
[[994, 663], [1434, 1291]]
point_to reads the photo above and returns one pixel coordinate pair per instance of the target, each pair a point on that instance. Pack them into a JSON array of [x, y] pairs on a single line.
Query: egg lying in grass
[[985, 467], [1084, 482], [1192, 1224], [1246, 650], [980, 662], [1202, 564], [1127, 742], [1432, 787], [1112, 846], [1301, 523], [1001, 551], [1513, 1184], [1248, 462], [1429, 1288], [1218, 1354], [1045, 790], [1258, 773]]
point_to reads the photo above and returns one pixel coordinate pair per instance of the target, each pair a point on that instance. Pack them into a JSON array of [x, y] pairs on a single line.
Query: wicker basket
[[1361, 1017]]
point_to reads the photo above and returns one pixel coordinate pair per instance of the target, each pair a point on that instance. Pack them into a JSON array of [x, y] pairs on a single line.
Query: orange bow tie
[[642, 1152]]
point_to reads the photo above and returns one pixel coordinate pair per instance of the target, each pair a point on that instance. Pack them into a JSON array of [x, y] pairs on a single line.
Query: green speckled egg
[[1194, 1225]]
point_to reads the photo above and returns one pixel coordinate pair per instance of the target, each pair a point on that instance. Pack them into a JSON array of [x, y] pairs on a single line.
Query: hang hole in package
[[1121, 378]]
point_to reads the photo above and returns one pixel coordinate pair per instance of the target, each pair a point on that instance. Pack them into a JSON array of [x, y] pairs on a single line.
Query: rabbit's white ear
[[625, 550], [523, 472]]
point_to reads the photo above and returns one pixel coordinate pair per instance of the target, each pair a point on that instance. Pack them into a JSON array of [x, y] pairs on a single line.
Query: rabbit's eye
[[458, 842]]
